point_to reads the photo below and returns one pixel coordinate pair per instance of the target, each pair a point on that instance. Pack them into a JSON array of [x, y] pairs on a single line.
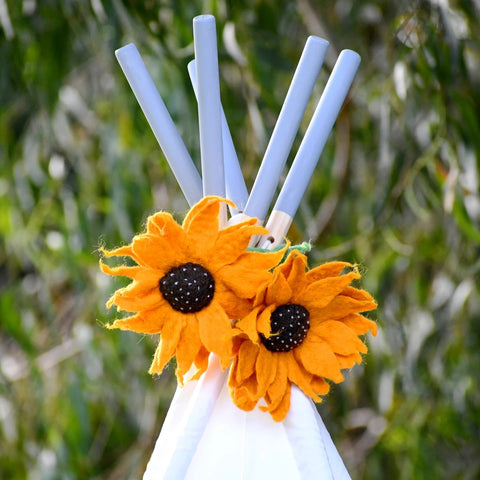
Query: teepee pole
[[312, 146], [160, 122], [236, 189], [209, 115], [286, 127]]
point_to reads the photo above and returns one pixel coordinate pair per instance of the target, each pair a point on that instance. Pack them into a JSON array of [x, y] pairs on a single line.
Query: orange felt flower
[[188, 283], [303, 329]]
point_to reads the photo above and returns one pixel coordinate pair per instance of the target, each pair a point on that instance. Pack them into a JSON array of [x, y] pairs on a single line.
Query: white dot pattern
[[188, 288], [289, 325]]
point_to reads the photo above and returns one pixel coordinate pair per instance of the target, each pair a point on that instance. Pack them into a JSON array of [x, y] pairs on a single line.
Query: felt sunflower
[[189, 281], [303, 329]]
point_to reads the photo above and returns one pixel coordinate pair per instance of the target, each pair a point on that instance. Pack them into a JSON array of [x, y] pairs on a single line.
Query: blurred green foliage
[[396, 190]]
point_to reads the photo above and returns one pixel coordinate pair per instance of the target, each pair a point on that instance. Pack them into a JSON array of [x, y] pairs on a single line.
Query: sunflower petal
[[122, 270], [339, 337], [276, 390], [188, 347], [249, 273], [137, 303], [330, 269], [296, 275], [168, 343], [322, 292], [262, 260], [244, 365], [245, 223], [266, 370], [348, 361], [201, 226], [243, 281], [244, 396], [124, 251], [286, 267], [300, 377], [280, 412], [233, 242], [359, 324], [342, 306], [149, 322], [234, 306], [260, 295], [318, 359], [163, 224], [320, 386], [279, 291], [248, 325], [360, 295], [145, 279], [157, 252], [207, 205], [201, 362], [216, 331], [146, 285], [264, 324]]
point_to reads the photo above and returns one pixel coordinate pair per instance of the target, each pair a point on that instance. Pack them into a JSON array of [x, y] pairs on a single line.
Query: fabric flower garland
[[203, 290]]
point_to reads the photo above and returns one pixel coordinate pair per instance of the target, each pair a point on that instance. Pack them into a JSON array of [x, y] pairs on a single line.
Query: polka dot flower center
[[188, 288], [289, 325]]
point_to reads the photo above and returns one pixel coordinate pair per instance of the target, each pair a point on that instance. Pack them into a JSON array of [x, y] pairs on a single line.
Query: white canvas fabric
[[206, 437]]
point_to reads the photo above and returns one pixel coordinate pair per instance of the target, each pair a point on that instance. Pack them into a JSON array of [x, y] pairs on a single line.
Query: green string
[[303, 247]]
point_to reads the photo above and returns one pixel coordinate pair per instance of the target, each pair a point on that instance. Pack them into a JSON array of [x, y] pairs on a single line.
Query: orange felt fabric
[[331, 343], [237, 276], [248, 286]]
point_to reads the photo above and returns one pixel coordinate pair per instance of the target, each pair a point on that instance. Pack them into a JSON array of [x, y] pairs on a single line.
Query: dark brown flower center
[[289, 325], [188, 288]]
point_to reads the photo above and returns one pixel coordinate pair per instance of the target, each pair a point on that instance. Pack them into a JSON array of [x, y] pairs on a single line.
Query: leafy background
[[396, 190]]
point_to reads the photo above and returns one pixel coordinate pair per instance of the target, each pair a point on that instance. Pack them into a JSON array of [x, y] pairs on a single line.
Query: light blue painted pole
[[209, 118], [286, 127], [317, 133], [160, 122], [235, 185]]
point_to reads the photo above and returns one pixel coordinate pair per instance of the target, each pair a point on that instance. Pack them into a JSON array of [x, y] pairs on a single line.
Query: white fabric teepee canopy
[[205, 436]]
